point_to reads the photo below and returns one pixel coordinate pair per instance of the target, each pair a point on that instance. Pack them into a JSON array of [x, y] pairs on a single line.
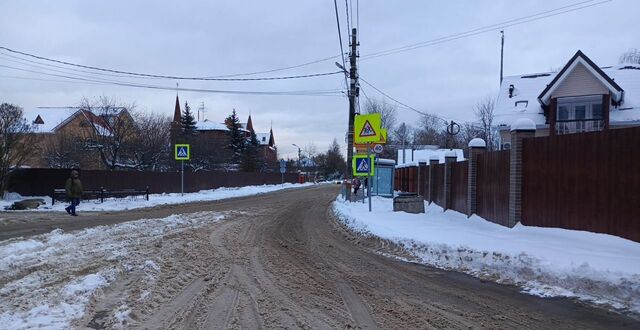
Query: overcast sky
[[211, 38]]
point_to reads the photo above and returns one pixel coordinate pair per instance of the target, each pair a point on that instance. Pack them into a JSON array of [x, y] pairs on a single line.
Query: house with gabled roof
[[581, 97], [75, 124]]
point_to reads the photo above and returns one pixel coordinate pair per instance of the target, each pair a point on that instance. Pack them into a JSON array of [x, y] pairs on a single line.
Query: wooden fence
[[41, 182], [459, 186], [493, 186], [438, 184], [588, 181]]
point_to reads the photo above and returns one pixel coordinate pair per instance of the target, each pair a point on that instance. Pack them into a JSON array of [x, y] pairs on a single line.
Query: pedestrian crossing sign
[[182, 152], [363, 165], [367, 128]]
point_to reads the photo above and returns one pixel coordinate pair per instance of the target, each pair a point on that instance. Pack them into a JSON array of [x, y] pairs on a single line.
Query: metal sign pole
[[182, 178], [369, 174]]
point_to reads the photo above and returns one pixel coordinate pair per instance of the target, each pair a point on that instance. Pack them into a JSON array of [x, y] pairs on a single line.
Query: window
[[579, 114]]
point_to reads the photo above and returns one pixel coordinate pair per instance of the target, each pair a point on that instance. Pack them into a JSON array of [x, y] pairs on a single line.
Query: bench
[[101, 194]]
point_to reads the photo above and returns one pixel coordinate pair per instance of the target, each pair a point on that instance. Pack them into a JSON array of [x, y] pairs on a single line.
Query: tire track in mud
[[284, 262]]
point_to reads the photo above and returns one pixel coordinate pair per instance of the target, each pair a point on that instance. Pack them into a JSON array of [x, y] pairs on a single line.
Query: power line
[[485, 29], [344, 65], [346, 5], [165, 76], [332, 92]]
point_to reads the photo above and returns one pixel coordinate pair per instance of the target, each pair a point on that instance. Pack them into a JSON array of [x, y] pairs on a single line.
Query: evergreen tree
[[237, 139], [250, 159], [187, 122]]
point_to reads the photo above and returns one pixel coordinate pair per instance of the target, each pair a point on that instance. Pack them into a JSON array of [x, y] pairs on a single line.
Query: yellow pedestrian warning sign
[[367, 128]]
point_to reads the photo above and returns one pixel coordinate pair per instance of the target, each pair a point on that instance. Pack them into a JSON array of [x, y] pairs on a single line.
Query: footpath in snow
[[548, 262], [128, 203]]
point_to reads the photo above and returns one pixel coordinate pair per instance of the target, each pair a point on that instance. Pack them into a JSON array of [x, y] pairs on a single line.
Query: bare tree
[[149, 148], [386, 110], [431, 131], [632, 56], [16, 142], [63, 150], [484, 112], [112, 127]]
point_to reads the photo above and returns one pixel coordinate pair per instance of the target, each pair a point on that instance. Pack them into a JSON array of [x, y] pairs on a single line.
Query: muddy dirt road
[[280, 260], [285, 263]]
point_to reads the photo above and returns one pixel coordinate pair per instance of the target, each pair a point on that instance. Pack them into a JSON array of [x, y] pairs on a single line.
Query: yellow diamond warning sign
[[367, 128]]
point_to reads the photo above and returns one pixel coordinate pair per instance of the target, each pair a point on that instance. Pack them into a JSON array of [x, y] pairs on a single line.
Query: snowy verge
[[128, 203], [49, 280], [548, 262]]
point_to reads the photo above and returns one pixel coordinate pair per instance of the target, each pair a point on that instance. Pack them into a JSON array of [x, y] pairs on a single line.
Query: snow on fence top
[[477, 143], [523, 124]]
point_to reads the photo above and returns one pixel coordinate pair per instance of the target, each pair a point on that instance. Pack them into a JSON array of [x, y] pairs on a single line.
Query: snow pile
[[128, 203], [548, 262], [49, 280]]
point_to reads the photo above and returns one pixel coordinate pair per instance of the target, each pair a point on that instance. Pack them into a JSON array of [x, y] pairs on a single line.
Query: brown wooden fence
[[459, 179], [588, 181], [438, 184], [493, 186], [41, 182]]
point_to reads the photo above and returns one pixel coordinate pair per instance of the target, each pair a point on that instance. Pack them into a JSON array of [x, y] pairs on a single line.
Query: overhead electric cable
[[164, 76], [485, 29], [344, 65], [128, 84]]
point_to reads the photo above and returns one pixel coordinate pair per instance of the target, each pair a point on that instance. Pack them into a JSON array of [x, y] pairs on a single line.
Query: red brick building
[[212, 137]]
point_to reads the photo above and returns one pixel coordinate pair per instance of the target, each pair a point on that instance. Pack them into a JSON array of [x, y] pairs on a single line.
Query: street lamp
[[299, 151]]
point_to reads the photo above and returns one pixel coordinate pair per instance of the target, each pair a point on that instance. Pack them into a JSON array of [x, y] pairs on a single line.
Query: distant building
[[214, 137], [414, 156], [581, 97]]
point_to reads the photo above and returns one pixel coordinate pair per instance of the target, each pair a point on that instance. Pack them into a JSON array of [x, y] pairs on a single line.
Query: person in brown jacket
[[74, 192]]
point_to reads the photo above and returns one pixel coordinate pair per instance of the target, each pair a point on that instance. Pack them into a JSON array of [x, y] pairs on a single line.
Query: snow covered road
[[281, 261]]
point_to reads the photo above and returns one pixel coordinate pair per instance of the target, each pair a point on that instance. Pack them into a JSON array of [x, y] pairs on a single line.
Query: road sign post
[[283, 169], [369, 174], [182, 153]]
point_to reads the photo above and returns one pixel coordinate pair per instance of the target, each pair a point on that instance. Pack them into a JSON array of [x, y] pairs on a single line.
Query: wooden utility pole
[[354, 92]]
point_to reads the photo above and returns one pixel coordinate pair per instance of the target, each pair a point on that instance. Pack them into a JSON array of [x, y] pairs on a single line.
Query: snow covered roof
[[49, 117], [207, 125], [413, 157], [524, 102], [263, 138]]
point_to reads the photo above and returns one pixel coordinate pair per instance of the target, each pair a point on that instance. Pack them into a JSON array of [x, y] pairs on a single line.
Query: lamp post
[[299, 151]]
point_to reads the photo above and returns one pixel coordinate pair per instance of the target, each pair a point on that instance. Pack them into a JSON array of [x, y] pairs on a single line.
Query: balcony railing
[[579, 126]]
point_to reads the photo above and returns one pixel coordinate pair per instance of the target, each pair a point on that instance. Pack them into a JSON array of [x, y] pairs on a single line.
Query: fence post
[[476, 147], [53, 196], [449, 158], [147, 193], [421, 178], [101, 194], [522, 128], [433, 161]]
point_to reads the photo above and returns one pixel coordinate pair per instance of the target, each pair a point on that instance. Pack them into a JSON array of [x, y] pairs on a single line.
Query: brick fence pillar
[[522, 128], [449, 158], [433, 161], [476, 147]]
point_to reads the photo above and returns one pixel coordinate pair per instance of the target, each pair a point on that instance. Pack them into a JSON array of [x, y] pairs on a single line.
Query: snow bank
[[548, 262], [128, 203], [49, 280]]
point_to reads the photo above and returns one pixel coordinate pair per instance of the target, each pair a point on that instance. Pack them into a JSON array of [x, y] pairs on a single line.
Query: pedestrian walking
[[356, 186], [74, 192]]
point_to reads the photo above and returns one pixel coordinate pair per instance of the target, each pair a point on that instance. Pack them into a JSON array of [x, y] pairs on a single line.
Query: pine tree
[[187, 122], [237, 139], [250, 158]]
